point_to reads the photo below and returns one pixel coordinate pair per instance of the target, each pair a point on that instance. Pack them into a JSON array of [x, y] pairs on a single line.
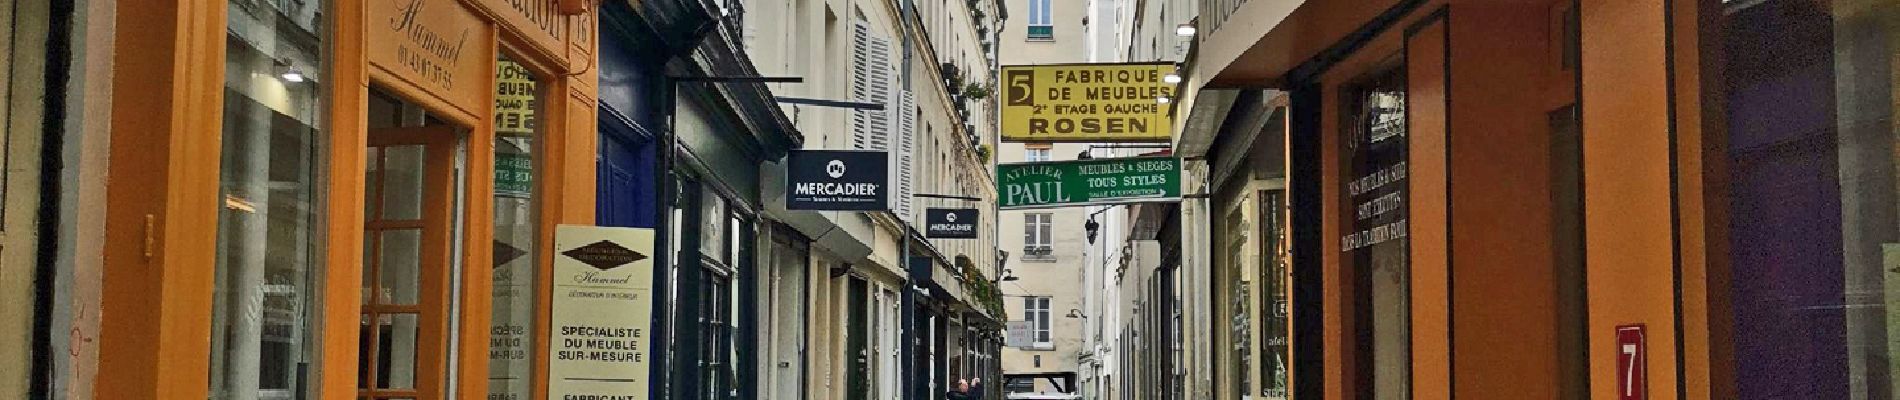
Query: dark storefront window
[[1813, 222], [1273, 363], [1376, 245], [716, 237]]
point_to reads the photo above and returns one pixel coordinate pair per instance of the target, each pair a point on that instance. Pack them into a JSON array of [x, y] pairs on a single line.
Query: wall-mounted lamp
[[1074, 313], [1163, 100], [1092, 227], [1171, 77], [1185, 29]]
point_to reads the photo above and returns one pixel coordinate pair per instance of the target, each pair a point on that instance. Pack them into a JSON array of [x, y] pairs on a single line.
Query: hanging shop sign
[[951, 223], [921, 270], [601, 313], [1019, 334], [438, 46], [837, 180], [1087, 103], [1088, 182]]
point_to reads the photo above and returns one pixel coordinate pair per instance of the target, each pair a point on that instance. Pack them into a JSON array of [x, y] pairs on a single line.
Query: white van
[[1042, 396]]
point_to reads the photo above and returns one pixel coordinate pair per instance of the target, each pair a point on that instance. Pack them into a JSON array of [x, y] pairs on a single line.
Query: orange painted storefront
[[163, 192], [1559, 187]]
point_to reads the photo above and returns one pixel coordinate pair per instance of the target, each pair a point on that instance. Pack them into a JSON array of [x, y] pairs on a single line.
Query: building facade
[[1562, 199], [256, 199], [887, 313], [231, 171]]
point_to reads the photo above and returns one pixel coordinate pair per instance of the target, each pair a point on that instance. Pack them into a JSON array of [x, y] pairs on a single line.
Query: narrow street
[[949, 200]]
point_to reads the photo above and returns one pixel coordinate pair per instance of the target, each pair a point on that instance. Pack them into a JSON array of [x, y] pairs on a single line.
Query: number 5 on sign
[[1632, 379]]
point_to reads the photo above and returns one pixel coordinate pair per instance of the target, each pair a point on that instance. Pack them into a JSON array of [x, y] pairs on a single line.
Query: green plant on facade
[[975, 92], [981, 288]]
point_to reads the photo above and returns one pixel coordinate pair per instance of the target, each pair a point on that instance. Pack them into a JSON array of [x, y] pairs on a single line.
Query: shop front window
[[1814, 198], [1235, 231], [1273, 303], [512, 327], [1376, 245], [265, 300]]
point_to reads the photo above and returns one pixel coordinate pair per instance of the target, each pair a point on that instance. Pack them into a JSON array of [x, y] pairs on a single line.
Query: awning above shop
[[1261, 42]]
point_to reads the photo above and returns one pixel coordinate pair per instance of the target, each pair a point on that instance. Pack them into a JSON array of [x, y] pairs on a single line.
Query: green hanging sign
[[1088, 182]]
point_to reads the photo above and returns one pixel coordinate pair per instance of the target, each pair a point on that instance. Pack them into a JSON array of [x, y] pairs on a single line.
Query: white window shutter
[[905, 154], [860, 74], [871, 75]]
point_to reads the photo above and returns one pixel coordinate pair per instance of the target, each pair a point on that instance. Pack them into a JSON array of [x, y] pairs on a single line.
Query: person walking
[[965, 391]]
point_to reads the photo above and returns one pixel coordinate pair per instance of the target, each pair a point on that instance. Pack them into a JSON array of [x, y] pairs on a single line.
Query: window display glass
[[268, 273], [512, 327], [1376, 245]]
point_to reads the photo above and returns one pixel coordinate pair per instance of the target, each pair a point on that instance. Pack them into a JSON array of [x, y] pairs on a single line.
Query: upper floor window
[[1041, 25], [1036, 311], [1035, 153], [1038, 228]]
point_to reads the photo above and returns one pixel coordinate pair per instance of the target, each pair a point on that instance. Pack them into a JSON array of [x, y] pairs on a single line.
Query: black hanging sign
[[951, 223], [837, 180], [921, 270]]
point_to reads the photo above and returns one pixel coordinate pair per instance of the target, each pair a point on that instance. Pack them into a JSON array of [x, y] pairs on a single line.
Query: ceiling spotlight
[[1185, 29], [1163, 100], [293, 75], [1171, 78]]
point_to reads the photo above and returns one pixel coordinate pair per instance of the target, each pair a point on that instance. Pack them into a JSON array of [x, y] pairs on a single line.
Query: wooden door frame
[[437, 264]]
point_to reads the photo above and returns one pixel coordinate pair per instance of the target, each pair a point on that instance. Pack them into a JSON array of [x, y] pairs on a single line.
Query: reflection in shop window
[[511, 330], [1273, 312], [264, 298], [1376, 247], [1238, 231]]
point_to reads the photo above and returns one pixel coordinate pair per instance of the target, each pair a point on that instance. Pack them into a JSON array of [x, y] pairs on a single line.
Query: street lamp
[[1091, 226], [1006, 276]]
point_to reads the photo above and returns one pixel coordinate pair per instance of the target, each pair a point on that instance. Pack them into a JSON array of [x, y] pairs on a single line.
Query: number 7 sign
[[1632, 358]]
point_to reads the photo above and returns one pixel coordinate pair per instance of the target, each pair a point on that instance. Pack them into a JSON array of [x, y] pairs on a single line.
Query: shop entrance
[[414, 164]]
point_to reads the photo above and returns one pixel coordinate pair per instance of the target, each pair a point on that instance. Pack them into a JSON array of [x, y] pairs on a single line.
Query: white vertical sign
[[602, 311], [1019, 334]]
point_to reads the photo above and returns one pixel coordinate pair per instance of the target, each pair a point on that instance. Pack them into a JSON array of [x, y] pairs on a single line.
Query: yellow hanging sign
[[1087, 103]]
